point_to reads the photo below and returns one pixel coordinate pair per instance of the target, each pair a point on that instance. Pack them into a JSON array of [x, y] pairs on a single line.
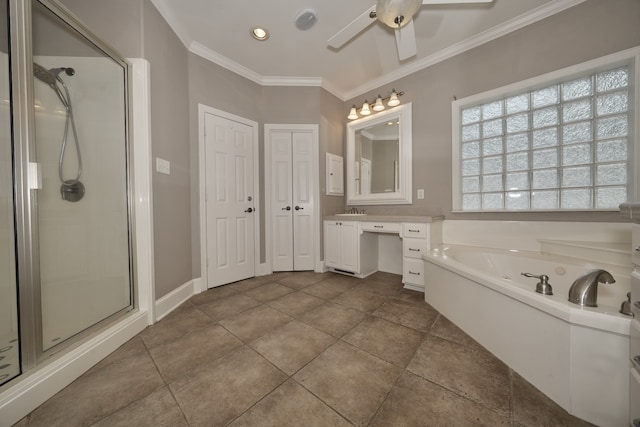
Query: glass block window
[[560, 146]]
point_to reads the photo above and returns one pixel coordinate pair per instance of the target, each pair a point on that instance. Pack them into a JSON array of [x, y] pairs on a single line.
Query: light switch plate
[[163, 166], [421, 193]]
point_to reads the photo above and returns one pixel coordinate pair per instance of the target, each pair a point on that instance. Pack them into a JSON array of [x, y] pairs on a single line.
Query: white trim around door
[[202, 110]]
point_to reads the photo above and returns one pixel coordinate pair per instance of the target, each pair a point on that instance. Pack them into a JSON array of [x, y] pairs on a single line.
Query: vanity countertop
[[383, 218]]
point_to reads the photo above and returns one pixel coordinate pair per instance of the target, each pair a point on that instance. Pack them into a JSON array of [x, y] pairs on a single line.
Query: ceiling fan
[[397, 14]]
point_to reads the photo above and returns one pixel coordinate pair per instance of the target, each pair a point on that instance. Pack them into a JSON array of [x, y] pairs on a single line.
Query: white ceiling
[[219, 30]]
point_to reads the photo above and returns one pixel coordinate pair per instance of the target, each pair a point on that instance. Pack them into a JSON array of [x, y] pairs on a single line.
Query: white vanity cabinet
[[345, 249], [415, 242], [351, 246]]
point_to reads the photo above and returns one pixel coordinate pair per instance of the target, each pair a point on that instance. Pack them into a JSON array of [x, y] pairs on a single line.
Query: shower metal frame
[[25, 199]]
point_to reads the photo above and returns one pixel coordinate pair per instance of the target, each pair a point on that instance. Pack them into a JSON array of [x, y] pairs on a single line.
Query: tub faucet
[[584, 290]]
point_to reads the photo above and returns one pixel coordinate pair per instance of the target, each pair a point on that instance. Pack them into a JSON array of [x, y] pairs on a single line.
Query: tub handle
[[543, 286]]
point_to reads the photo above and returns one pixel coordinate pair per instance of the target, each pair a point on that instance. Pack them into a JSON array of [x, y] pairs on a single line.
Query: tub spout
[[584, 290]]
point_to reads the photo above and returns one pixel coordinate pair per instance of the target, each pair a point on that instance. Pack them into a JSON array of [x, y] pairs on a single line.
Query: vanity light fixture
[[392, 100], [364, 110], [378, 106], [259, 33], [352, 114]]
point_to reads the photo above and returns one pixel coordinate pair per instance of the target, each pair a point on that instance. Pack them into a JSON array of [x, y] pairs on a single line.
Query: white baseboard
[[34, 388], [263, 269], [414, 287], [175, 298]]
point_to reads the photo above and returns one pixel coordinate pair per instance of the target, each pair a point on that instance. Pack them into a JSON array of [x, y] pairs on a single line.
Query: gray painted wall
[[136, 29], [590, 30]]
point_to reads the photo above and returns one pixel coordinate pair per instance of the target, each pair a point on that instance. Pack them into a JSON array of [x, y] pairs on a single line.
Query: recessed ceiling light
[[259, 33]]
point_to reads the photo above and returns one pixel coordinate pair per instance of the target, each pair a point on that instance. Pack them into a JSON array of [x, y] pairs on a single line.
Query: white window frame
[[629, 57]]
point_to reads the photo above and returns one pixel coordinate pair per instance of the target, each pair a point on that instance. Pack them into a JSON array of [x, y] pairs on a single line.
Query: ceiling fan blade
[[352, 29], [406, 41], [454, 1]]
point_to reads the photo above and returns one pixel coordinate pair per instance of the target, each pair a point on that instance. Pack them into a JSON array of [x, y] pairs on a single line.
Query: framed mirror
[[379, 158]]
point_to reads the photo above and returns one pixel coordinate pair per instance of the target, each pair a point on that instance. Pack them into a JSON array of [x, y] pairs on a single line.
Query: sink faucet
[[584, 290]]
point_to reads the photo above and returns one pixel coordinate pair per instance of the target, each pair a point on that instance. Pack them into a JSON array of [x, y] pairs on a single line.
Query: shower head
[[67, 70], [50, 76], [44, 75]]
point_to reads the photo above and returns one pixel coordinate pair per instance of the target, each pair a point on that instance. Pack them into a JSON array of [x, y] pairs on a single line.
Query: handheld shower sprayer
[[71, 190]]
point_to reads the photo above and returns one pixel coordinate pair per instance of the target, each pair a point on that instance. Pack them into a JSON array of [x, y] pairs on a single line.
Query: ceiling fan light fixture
[[305, 19], [397, 13], [365, 111], [259, 33], [393, 99], [352, 114], [378, 106]]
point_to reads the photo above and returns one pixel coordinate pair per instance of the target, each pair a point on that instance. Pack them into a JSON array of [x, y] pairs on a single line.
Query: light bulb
[[365, 109], [378, 106], [393, 99], [352, 114]]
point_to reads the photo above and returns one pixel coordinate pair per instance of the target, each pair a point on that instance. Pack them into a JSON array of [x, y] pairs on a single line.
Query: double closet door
[[291, 160]]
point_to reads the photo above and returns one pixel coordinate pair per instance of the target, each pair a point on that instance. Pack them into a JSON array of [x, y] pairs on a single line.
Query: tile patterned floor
[[302, 349]]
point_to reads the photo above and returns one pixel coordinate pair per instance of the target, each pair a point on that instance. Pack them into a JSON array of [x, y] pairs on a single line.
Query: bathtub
[[577, 356]]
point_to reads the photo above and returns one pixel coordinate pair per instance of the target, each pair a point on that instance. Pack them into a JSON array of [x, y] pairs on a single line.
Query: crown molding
[[173, 22], [291, 81], [535, 15], [206, 53]]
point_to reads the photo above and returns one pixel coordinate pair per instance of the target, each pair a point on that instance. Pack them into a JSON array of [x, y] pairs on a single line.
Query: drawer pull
[[414, 250], [637, 248], [417, 231], [378, 226], [414, 273]]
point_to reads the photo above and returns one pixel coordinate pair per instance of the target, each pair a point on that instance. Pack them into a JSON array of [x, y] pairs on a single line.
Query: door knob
[[299, 208], [249, 210], [288, 208]]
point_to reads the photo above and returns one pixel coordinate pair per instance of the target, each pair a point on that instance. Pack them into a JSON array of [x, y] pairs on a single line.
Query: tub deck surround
[[571, 353], [354, 245], [602, 252]]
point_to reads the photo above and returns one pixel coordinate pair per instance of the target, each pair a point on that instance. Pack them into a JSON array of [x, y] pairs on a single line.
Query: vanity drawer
[[413, 248], [380, 227], [415, 230], [413, 271]]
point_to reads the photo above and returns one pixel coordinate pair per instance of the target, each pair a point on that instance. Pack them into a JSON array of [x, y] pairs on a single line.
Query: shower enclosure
[[66, 265]]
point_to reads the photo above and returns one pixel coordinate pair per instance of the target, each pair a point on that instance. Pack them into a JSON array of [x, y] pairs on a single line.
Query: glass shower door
[[9, 337], [82, 205]]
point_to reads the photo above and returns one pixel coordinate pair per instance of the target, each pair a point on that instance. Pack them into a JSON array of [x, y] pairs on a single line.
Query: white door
[[229, 200], [293, 178], [282, 202], [303, 200]]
